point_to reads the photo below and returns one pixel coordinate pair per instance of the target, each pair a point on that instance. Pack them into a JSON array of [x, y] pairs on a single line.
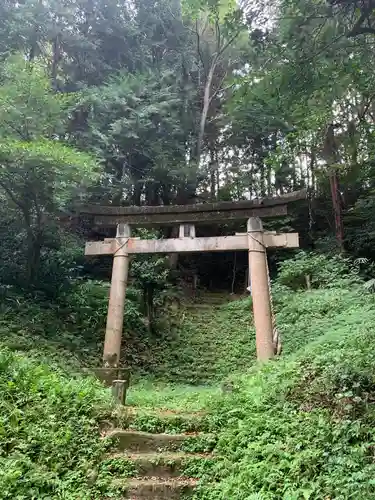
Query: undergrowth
[[68, 332], [212, 343], [303, 427], [174, 397], [199, 345], [300, 427], [50, 442]]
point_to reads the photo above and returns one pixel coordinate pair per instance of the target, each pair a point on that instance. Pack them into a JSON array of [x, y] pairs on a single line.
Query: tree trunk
[[263, 190], [148, 304], [336, 202], [34, 248], [213, 171], [55, 62], [165, 194], [247, 281], [308, 282], [151, 193], [137, 192], [206, 105], [173, 257]]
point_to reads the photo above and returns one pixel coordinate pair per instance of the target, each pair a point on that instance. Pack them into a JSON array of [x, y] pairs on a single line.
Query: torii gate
[[255, 241]]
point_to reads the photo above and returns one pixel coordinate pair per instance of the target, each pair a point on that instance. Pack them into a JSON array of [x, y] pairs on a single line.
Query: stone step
[[204, 306], [213, 299], [201, 305], [164, 420], [132, 440], [158, 488], [161, 465], [156, 420], [164, 412]]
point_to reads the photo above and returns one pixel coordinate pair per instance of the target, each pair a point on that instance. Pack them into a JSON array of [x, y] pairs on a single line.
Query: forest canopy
[[159, 103]]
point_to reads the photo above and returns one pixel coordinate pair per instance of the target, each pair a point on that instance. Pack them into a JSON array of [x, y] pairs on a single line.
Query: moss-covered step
[[164, 465], [158, 488], [161, 420], [156, 420], [132, 440]]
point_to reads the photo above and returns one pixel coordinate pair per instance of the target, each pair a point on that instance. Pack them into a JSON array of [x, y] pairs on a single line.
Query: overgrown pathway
[[159, 453], [207, 344]]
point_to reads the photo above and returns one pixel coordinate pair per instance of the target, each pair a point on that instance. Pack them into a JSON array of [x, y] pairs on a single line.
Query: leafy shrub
[[62, 262], [303, 427], [50, 444], [61, 259], [207, 343], [321, 270], [303, 317], [150, 274], [71, 330], [86, 307]]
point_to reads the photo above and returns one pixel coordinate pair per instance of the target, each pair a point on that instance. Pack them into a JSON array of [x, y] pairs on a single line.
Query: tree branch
[[199, 45], [362, 115], [218, 35], [229, 42], [24, 136], [219, 87], [8, 191], [358, 29], [361, 31]]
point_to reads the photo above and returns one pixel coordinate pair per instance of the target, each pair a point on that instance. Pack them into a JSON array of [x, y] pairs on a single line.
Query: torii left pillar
[[111, 373], [115, 318]]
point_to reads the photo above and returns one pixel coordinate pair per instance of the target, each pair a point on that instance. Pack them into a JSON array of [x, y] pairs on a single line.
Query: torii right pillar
[[260, 289]]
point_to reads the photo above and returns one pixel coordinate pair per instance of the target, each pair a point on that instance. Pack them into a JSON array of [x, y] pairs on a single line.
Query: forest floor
[[299, 427]]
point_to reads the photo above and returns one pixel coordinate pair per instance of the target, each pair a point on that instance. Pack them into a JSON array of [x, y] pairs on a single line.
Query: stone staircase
[[163, 464]]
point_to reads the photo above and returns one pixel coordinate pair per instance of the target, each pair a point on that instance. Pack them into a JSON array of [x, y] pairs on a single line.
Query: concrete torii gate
[[255, 241]]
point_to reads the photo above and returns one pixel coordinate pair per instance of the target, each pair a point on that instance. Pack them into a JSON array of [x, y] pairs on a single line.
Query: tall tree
[[39, 174]]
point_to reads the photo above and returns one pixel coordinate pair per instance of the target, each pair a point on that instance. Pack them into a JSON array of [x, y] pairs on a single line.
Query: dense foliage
[[302, 427], [169, 102], [50, 431], [299, 427]]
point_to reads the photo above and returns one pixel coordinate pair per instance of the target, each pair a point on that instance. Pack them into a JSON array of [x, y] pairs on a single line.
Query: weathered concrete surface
[[109, 375], [196, 208], [115, 317], [190, 245], [159, 489], [204, 217], [199, 213], [260, 290], [160, 465], [160, 470]]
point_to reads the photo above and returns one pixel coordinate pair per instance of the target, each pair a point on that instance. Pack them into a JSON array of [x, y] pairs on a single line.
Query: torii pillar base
[[116, 378]]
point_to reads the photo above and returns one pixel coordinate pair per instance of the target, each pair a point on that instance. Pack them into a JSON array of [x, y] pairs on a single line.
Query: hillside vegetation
[[299, 427], [302, 427], [117, 103]]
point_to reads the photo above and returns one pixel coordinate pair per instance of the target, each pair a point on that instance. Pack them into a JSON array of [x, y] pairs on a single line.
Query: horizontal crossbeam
[[200, 213], [172, 219], [197, 208], [188, 245]]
